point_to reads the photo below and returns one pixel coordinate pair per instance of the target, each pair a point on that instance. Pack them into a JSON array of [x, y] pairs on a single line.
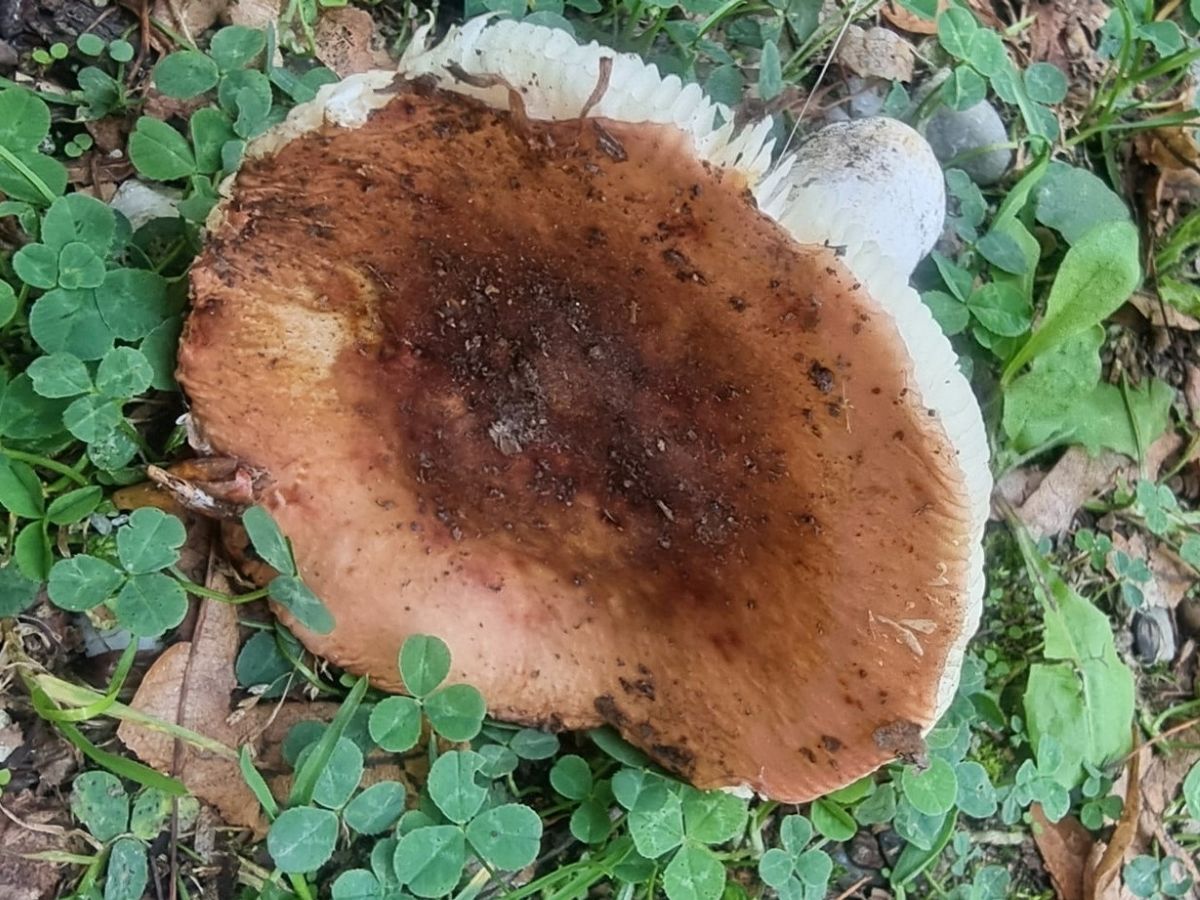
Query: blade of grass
[[306, 776]]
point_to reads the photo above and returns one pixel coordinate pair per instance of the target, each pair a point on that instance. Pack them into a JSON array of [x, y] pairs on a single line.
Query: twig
[[854, 887], [143, 47], [850, 14], [1162, 736]]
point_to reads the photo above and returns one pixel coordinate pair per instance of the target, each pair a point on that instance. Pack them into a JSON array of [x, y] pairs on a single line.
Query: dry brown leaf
[[1077, 477], [1172, 578], [190, 17], [1162, 315], [191, 684], [876, 53], [1161, 782], [1063, 33], [253, 13], [909, 21], [1101, 876], [1074, 479], [1064, 847], [1191, 391], [343, 39], [32, 824]]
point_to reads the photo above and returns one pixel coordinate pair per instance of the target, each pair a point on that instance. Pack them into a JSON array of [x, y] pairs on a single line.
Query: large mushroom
[[531, 354]]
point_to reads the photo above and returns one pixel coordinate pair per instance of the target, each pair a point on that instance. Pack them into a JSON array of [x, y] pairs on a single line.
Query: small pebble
[[866, 96], [141, 203], [864, 851], [1153, 635], [951, 132], [890, 844]]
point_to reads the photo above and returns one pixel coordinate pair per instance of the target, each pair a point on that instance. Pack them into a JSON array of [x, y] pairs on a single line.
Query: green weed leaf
[[694, 874], [1004, 252], [590, 823], [268, 540], [376, 809], [78, 218], [236, 46], [776, 867], [63, 321], [302, 839], [151, 813], [339, 777], [185, 74], [571, 776], [210, 129], [955, 30], [81, 582], [456, 712], [794, 833], [59, 375], [814, 868], [20, 489], [36, 265], [49, 172], [31, 552], [832, 821], [1001, 309], [530, 743], [453, 787], [91, 418], [356, 884], [932, 791], [160, 152], [295, 596], [261, 665], [429, 861], [24, 119], [770, 72], [8, 303], [151, 604], [964, 88], [1045, 83], [424, 663], [123, 373], [976, 796], [395, 724], [246, 96], [150, 541], [656, 822], [1073, 201], [1097, 275], [951, 314], [507, 837], [1082, 696], [99, 801], [712, 817], [17, 592], [133, 302], [128, 873]]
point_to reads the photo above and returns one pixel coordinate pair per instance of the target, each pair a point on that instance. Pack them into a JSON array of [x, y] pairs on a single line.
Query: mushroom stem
[[869, 180]]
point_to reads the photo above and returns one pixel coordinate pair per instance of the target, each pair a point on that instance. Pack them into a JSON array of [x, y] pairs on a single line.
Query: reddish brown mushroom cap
[[560, 394]]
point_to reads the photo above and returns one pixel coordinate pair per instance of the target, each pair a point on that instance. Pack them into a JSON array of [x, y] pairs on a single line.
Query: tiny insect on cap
[[562, 392]]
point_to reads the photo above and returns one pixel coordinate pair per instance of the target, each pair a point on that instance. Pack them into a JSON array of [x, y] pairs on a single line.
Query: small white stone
[[140, 203]]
